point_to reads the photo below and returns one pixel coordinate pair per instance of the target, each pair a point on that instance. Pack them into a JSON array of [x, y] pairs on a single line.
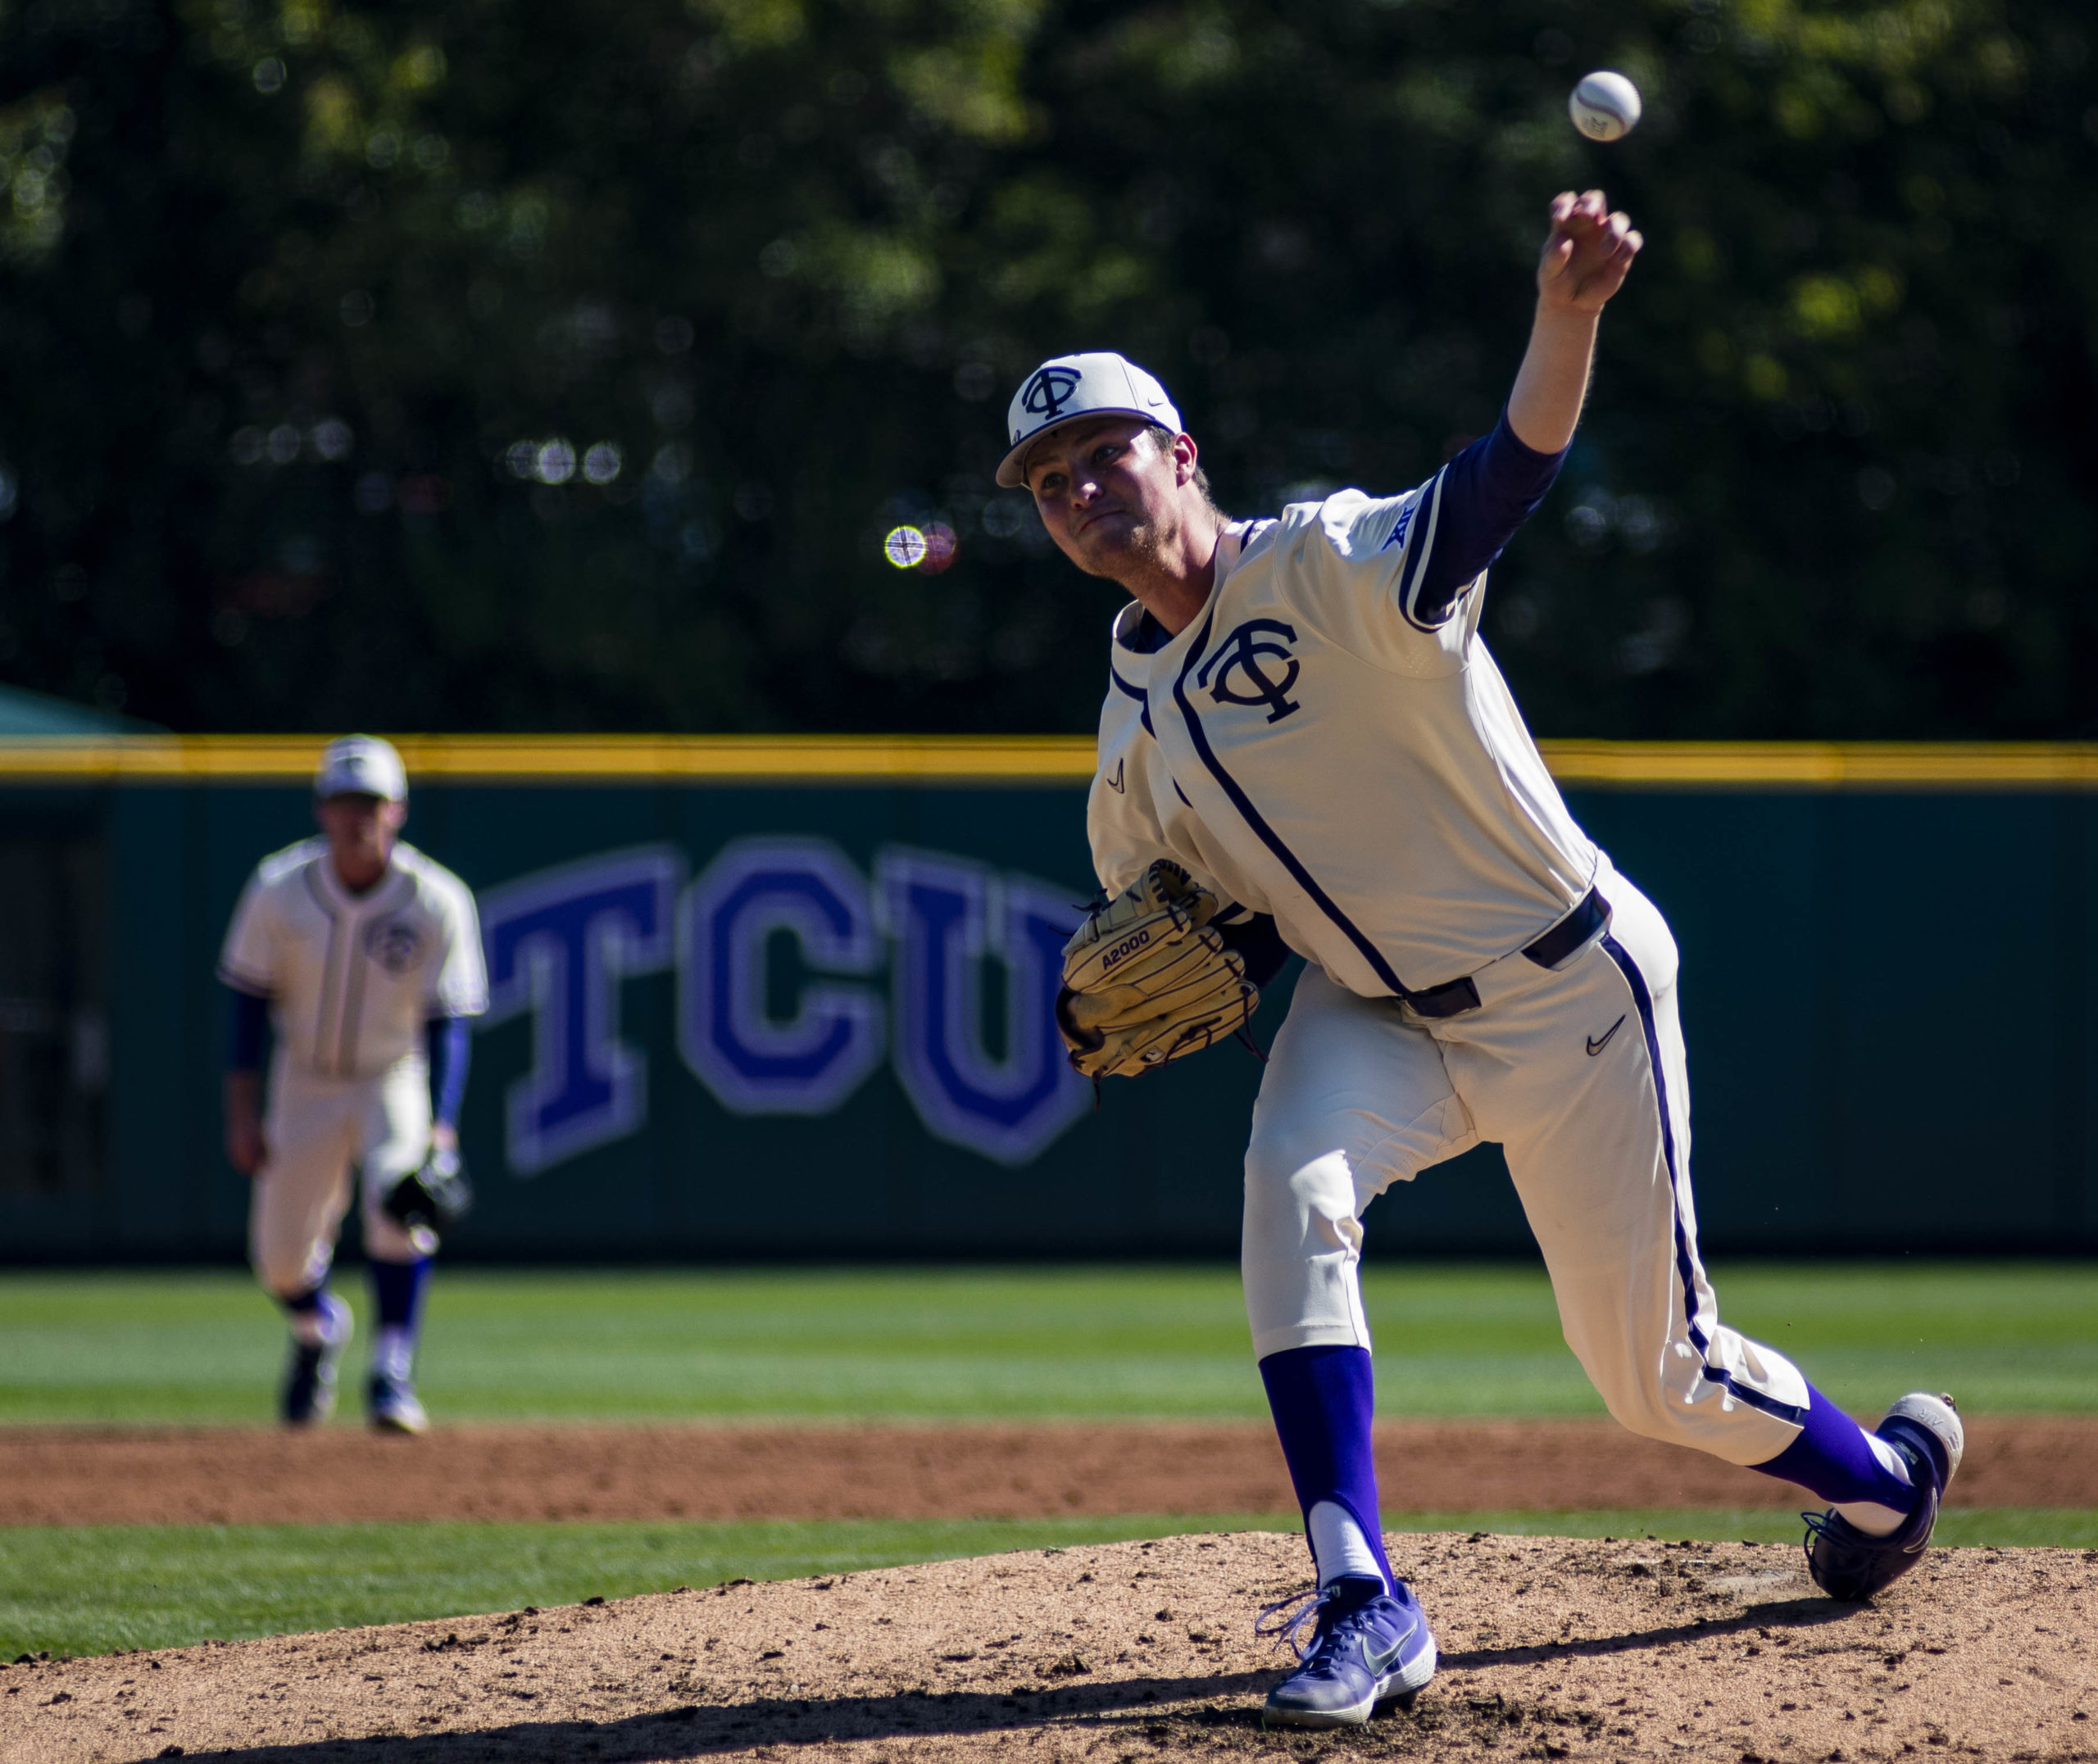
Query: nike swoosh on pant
[[1596, 1046]]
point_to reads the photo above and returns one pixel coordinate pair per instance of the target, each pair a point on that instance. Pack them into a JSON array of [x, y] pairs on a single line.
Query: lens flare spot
[[940, 548]]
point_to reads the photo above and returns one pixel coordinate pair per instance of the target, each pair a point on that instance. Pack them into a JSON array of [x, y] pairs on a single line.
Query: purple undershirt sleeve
[[449, 1056], [1480, 497], [1259, 944], [250, 1031]]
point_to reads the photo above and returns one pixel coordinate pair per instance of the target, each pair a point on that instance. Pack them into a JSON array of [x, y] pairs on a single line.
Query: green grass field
[[936, 1344], [955, 1344]]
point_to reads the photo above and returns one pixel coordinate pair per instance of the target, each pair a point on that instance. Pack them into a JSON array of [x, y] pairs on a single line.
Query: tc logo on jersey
[[1240, 657], [393, 944], [1049, 392]]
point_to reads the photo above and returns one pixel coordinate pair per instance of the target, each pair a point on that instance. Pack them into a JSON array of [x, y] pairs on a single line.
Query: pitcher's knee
[[1301, 1193], [1653, 1416], [1638, 1397]]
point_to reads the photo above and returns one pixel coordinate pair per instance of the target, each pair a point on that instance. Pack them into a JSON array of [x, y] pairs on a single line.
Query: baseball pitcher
[[365, 957], [1306, 747]]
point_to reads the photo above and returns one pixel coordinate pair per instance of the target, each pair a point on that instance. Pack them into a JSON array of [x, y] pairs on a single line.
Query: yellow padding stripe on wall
[[1056, 759], [1818, 765], [556, 759]]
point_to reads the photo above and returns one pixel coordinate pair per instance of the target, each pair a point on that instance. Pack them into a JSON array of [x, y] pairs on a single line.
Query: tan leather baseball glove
[[1146, 980]]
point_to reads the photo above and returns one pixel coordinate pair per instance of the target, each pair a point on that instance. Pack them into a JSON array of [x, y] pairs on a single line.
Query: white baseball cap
[[1067, 387], [361, 765]]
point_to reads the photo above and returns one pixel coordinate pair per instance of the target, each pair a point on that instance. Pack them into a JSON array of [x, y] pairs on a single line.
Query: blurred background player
[[364, 957]]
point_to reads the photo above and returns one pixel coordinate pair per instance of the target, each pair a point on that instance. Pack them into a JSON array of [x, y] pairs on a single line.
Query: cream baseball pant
[[317, 1129], [1578, 1072]]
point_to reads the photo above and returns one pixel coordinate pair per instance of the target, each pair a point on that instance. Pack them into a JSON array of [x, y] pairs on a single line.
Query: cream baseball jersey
[[1322, 746], [354, 978]]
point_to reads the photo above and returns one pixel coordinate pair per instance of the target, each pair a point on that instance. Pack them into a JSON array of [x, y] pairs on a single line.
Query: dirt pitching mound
[[255, 1475], [1551, 1648]]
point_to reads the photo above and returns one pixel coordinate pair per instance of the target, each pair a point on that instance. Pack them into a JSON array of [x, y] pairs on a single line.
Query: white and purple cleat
[[1850, 1564], [1370, 1648]]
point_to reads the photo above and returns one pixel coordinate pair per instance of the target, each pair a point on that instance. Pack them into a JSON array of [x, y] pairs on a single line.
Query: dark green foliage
[[790, 256]]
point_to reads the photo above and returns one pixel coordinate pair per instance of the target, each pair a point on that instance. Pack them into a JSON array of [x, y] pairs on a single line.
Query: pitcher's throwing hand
[[1588, 254]]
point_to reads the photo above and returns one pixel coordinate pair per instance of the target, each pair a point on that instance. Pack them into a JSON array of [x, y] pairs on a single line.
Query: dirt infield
[[256, 1476], [1551, 1648]]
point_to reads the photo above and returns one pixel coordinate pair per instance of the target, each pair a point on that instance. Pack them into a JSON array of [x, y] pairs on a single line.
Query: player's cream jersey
[[1319, 746], [352, 978]]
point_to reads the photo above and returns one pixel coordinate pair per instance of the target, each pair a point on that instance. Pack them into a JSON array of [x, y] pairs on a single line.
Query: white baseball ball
[[1604, 106]]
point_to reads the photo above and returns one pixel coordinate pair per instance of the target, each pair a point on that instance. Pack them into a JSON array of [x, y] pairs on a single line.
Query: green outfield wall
[[787, 998]]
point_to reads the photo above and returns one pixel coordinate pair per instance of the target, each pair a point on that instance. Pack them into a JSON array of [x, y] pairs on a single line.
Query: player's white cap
[[361, 765], [1063, 390]]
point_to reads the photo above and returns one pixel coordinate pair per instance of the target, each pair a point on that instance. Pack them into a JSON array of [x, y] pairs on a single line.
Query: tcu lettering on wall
[[895, 967]]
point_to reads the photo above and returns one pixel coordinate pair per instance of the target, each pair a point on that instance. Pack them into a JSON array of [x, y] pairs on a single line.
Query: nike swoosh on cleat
[[1596, 1046]]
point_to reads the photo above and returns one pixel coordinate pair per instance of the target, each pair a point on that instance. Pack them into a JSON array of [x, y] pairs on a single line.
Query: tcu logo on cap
[[1096, 383], [1046, 394], [1240, 654]]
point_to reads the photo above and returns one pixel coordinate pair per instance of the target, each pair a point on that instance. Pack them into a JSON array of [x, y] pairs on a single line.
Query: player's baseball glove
[[1147, 979], [437, 1195]]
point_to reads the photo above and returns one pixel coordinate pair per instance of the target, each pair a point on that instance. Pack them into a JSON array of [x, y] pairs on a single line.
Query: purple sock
[[396, 1289], [1323, 1400], [1833, 1457], [305, 1303]]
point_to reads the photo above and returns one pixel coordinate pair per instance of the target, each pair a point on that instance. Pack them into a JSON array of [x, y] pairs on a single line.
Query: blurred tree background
[[496, 364]]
